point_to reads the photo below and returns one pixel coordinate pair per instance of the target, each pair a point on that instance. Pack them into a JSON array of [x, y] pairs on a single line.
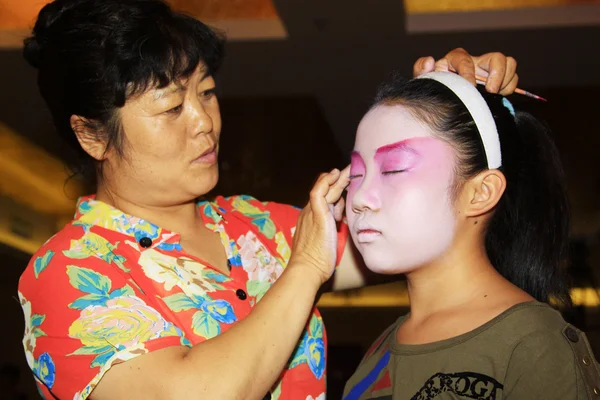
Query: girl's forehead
[[387, 124]]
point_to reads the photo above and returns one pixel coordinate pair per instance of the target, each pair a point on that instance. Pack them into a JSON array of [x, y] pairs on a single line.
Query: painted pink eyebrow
[[402, 145]]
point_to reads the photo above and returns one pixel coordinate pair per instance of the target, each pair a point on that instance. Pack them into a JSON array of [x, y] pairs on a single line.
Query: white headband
[[479, 110]]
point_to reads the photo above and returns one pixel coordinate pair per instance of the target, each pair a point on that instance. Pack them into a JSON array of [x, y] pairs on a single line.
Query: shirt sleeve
[[83, 314], [543, 366], [287, 216]]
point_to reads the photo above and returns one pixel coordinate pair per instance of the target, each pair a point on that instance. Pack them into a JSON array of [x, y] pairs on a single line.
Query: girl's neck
[[450, 282]]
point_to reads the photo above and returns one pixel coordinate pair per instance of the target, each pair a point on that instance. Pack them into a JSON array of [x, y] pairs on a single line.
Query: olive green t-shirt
[[527, 352]]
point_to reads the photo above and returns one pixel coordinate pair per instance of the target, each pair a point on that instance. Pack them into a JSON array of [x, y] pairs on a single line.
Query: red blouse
[[111, 286]]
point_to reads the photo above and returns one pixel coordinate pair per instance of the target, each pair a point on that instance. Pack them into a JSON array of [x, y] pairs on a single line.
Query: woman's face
[[171, 138], [399, 206]]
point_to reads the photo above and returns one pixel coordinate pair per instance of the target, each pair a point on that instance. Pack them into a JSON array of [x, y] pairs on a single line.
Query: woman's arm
[[242, 363], [245, 361]]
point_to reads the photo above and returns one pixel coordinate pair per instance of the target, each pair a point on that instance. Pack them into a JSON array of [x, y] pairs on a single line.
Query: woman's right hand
[[315, 240]]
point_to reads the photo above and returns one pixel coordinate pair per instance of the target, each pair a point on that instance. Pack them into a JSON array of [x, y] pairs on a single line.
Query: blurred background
[[297, 77]]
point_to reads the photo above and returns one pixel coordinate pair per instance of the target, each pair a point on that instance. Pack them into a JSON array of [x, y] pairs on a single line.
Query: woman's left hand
[[499, 69]]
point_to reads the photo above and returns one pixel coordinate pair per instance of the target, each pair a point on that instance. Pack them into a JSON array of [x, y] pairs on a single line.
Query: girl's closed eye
[[357, 167], [397, 162], [393, 172]]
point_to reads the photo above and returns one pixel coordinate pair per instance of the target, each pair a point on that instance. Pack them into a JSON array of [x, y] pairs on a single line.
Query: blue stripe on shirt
[[361, 387]]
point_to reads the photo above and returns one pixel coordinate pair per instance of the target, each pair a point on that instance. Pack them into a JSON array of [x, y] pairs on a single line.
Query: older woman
[[209, 292]]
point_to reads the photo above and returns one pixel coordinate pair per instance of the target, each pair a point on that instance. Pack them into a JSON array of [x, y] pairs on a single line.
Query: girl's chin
[[382, 268], [387, 271]]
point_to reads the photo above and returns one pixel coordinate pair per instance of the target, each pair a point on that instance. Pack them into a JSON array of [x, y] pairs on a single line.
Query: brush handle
[[482, 81]]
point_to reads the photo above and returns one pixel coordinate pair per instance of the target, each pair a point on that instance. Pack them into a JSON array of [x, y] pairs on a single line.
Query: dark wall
[[275, 148], [11, 334]]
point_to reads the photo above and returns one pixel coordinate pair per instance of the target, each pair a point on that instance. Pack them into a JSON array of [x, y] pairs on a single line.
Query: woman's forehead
[[157, 89]]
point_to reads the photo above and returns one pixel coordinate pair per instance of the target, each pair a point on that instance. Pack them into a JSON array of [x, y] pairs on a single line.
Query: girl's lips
[[367, 235]]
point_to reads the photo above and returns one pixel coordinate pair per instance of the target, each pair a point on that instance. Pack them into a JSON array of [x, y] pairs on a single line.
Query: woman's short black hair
[[92, 55]]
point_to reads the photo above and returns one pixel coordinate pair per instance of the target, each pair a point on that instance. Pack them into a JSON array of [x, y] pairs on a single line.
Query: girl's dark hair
[[92, 55], [527, 236]]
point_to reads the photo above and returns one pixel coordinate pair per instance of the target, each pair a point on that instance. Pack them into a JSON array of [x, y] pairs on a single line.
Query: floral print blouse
[[110, 287]]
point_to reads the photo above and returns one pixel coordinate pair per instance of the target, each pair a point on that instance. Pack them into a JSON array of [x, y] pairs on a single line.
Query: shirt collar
[[97, 213]]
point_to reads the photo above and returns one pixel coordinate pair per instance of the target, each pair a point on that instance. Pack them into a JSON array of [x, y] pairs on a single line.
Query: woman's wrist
[[310, 276]]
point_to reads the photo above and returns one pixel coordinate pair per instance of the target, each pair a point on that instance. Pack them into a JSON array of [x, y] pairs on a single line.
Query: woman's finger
[[338, 210], [423, 65], [509, 75], [496, 63], [336, 190], [325, 180], [511, 86], [461, 62], [318, 202]]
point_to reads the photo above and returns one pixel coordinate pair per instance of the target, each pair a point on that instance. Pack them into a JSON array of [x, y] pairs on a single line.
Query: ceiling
[[260, 19], [19, 15], [216, 10], [437, 6]]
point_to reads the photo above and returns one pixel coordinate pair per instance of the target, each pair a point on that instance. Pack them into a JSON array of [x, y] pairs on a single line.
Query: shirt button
[[572, 335], [145, 242], [586, 361], [242, 296]]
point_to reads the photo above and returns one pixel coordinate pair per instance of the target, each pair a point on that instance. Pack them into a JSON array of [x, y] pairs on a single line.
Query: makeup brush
[[482, 81]]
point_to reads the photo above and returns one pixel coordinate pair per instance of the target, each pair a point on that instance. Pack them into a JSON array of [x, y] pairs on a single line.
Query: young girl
[[465, 197]]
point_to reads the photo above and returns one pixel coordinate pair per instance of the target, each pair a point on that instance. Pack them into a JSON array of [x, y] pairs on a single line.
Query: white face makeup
[[398, 204]]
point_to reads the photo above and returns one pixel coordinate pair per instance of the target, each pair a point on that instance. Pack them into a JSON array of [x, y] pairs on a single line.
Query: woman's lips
[[208, 157]]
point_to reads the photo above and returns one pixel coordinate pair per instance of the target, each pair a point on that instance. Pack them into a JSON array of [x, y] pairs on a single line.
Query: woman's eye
[[399, 171], [175, 110], [351, 177], [209, 94]]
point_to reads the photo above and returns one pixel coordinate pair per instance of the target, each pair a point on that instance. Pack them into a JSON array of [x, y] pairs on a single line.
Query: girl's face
[[399, 206]]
